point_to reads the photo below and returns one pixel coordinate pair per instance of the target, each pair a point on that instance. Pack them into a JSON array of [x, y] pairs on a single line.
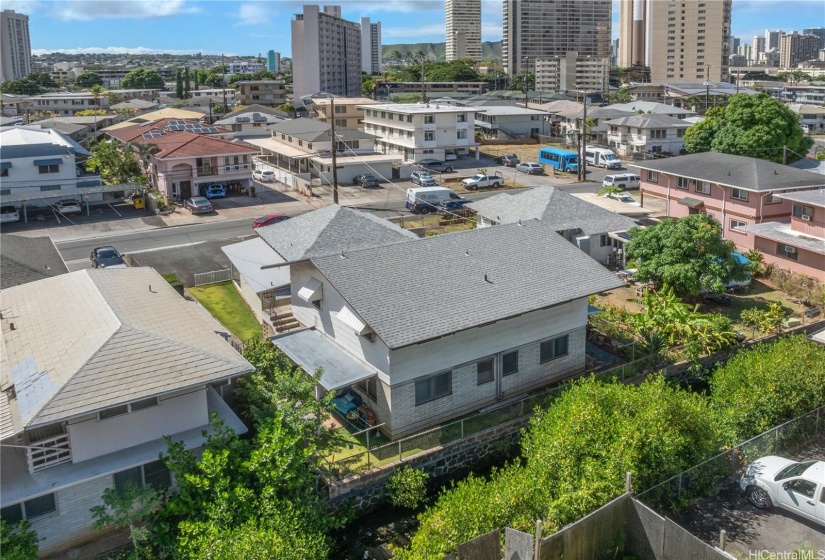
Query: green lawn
[[227, 306], [757, 295]]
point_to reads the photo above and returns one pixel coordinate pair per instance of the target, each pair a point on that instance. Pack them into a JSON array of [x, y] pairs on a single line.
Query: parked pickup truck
[[480, 181]]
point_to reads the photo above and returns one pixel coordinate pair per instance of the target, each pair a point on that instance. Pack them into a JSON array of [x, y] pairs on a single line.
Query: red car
[[268, 220]]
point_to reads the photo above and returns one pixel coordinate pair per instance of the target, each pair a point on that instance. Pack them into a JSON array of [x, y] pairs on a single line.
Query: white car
[[797, 487], [450, 157], [622, 197], [69, 206], [530, 167], [263, 175]]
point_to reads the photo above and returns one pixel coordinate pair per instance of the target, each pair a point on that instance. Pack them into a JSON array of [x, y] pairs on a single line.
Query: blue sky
[[255, 26]]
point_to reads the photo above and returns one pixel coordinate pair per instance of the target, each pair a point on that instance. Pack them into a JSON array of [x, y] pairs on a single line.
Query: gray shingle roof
[[436, 286], [311, 130], [330, 230], [26, 259], [742, 172], [110, 337], [816, 198], [650, 121], [558, 209], [256, 108]]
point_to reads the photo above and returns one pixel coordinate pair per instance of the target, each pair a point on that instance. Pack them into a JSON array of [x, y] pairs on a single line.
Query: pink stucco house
[[798, 243], [736, 190], [188, 158]]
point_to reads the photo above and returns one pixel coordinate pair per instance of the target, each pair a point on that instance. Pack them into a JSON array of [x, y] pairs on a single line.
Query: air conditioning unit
[[227, 168], [806, 217], [790, 250]]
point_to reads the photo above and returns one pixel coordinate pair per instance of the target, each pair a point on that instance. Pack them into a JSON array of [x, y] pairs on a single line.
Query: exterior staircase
[[282, 319]]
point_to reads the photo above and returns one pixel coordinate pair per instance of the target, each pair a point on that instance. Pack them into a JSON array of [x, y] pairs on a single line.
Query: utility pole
[[334, 157], [784, 155], [423, 94], [582, 149], [223, 82]]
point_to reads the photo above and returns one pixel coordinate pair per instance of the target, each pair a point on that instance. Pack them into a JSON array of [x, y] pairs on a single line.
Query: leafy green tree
[[113, 98], [142, 78], [574, 459], [766, 320], [262, 75], [129, 508], [687, 254], [214, 80], [18, 542], [768, 384], [524, 80], [179, 85], [197, 76], [239, 77], [21, 87], [44, 79], [750, 125], [621, 96], [88, 79], [407, 487], [186, 82], [116, 165]]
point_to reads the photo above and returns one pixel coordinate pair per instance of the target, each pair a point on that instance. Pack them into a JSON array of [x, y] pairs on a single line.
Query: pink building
[[798, 243], [736, 190]]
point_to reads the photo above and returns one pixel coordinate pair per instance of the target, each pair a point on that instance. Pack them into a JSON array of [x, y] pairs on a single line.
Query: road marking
[[167, 247]]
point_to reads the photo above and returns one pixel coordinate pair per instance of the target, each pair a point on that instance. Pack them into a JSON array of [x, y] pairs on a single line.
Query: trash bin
[[138, 202]]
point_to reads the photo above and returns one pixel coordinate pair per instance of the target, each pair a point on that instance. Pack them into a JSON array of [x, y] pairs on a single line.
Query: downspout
[[668, 196], [724, 203], [762, 206]]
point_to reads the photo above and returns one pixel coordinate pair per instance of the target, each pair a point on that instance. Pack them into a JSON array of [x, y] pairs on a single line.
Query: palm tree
[[397, 56], [96, 90]]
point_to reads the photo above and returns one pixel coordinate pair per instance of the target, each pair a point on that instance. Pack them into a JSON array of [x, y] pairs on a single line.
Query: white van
[[624, 181], [424, 200], [601, 157]]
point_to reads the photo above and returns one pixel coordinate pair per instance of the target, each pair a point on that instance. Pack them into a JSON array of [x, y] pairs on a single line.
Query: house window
[[509, 363], [484, 371], [680, 132], [429, 119], [340, 122], [30, 509], [553, 348], [682, 183], [736, 223], [48, 169], [604, 240], [429, 136], [4, 172], [44, 188], [461, 117], [369, 387], [154, 474], [653, 176], [340, 109], [461, 134], [703, 187], [127, 408], [739, 194], [787, 251], [772, 199], [433, 387], [800, 210]]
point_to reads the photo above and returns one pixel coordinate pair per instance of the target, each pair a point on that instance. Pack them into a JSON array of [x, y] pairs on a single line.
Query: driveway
[[750, 530]]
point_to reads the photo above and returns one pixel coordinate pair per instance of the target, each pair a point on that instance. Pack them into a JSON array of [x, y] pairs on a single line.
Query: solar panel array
[[257, 117], [195, 127], [154, 133]]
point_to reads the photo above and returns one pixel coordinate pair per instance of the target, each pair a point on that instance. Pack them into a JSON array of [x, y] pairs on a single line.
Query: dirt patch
[[524, 152]]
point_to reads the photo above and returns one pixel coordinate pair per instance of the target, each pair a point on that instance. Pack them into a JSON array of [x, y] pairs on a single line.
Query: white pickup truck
[[480, 180]]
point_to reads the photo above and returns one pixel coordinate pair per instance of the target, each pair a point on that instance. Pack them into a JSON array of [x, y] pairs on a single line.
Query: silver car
[[530, 167], [422, 178], [198, 205]]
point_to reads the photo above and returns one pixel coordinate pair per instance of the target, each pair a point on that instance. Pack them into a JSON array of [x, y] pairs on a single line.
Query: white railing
[[49, 452], [213, 277]]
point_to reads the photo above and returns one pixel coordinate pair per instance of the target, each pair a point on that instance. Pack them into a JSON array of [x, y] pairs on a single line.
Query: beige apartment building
[[463, 19], [15, 46], [572, 72], [270, 93], [540, 29], [677, 39], [795, 48], [347, 112]]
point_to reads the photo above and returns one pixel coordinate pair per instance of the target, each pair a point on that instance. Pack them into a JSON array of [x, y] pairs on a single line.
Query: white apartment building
[[244, 67], [646, 133], [463, 19], [371, 56], [678, 39], [537, 28], [421, 131], [326, 52], [15, 46], [572, 72]]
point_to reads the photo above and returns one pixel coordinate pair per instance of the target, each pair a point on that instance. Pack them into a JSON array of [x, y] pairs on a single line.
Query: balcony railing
[[206, 170], [49, 452]]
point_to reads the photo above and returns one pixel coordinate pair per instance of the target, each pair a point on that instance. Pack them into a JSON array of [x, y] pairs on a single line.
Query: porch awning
[[691, 202], [313, 291], [347, 318], [5, 165], [311, 350], [52, 161]]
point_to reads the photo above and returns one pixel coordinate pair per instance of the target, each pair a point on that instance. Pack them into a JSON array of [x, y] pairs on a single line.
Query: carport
[[50, 197]]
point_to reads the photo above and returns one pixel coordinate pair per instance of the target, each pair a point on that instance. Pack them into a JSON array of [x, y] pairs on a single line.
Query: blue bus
[[562, 160]]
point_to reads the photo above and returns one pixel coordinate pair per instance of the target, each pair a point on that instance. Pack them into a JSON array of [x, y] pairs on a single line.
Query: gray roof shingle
[[311, 130], [26, 259], [112, 336], [440, 285], [650, 121], [558, 209], [815, 198], [741, 172], [330, 230]]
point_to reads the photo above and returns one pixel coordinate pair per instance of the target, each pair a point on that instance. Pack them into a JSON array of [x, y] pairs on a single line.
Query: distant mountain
[[490, 50]]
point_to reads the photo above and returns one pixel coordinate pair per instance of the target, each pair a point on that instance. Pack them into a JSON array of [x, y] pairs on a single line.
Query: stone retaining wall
[[366, 492]]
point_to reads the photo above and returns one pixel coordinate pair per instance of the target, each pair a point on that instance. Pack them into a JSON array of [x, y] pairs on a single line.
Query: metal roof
[[815, 198], [328, 231], [751, 174], [558, 209], [111, 337], [782, 233], [249, 256], [428, 288]]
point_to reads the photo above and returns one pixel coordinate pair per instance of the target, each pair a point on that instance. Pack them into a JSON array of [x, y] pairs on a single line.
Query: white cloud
[[87, 10], [254, 13], [123, 50]]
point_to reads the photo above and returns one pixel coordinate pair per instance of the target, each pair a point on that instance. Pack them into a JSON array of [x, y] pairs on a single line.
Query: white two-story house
[[651, 134], [89, 388], [421, 131], [429, 329]]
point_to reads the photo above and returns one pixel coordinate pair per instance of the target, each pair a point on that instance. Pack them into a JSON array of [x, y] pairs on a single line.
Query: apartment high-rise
[[678, 39], [538, 28], [273, 62], [772, 39], [15, 46], [463, 19], [819, 32], [326, 52], [371, 55], [795, 48], [757, 46]]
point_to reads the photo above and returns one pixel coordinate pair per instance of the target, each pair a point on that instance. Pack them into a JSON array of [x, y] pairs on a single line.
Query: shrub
[[407, 487], [18, 542], [173, 280]]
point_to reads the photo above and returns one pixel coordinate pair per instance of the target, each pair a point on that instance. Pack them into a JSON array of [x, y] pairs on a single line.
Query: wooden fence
[[213, 277]]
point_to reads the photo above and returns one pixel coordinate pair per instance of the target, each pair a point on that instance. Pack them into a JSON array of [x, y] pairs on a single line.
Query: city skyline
[[249, 28]]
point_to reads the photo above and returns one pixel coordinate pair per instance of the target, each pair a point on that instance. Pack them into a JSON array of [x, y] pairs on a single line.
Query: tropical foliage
[[18, 542], [407, 487], [115, 165], [142, 78]]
